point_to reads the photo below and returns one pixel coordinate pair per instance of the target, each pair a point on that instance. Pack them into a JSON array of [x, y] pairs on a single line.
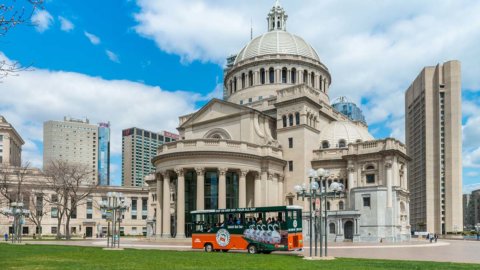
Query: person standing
[[436, 237], [6, 237]]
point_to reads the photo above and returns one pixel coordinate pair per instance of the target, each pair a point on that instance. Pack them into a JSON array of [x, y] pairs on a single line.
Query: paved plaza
[[416, 250]]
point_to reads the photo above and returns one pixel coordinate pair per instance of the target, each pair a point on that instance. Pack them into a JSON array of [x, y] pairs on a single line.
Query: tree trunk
[[67, 228], [59, 223]]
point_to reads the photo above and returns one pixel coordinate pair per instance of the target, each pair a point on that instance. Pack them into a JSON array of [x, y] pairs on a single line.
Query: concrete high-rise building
[[433, 126], [138, 148], [471, 210], [71, 140], [10, 144], [104, 154]]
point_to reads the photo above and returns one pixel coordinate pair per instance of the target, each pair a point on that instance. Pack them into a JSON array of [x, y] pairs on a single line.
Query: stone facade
[[275, 124], [89, 221], [10, 144]]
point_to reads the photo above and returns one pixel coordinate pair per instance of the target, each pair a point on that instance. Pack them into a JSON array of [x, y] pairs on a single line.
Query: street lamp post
[[18, 213], [114, 207], [311, 192]]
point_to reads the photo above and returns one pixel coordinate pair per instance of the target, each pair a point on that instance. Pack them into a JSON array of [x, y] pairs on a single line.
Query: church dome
[[277, 42], [341, 133]]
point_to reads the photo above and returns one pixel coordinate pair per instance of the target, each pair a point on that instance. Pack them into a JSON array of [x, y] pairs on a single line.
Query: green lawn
[[68, 257]]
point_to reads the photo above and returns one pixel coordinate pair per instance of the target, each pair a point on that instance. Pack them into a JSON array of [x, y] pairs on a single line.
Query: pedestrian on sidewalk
[[431, 238], [436, 237], [6, 237]]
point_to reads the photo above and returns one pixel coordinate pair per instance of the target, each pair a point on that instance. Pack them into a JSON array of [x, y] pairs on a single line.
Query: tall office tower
[[71, 140], [349, 109], [104, 154], [10, 144], [138, 148], [433, 126]]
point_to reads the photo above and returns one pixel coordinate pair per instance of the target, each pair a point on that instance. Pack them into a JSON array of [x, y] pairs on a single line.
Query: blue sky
[[143, 63]]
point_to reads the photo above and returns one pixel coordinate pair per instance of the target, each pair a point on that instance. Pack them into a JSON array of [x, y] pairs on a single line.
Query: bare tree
[[38, 207], [13, 13], [12, 180], [73, 184]]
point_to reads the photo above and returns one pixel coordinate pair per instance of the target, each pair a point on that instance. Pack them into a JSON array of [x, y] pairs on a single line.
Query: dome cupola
[[277, 18]]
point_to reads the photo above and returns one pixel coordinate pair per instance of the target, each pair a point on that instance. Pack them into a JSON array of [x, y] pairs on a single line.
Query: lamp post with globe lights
[[17, 211], [311, 192], [114, 207]]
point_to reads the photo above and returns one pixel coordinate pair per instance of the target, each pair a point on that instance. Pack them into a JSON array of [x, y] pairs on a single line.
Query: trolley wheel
[[208, 247], [252, 249]]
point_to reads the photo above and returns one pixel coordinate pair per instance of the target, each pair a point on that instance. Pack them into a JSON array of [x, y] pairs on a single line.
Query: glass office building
[[104, 154]]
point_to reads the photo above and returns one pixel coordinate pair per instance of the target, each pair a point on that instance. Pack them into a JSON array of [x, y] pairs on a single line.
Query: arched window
[[321, 82], [235, 84], [284, 118], [243, 80], [325, 145], [313, 79], [293, 76], [284, 75], [231, 87], [340, 205], [278, 24], [370, 167], [250, 78], [328, 206], [297, 118], [262, 76], [358, 141], [290, 119], [305, 76], [332, 228], [342, 143], [271, 75], [315, 122]]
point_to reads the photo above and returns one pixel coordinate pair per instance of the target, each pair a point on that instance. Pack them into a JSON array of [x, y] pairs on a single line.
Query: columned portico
[[258, 190]]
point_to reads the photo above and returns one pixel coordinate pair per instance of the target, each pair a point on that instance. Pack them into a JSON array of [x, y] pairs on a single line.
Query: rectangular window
[[54, 212], [134, 230], [89, 209], [370, 178], [134, 208], [366, 201], [74, 213], [290, 166], [290, 142], [144, 208], [54, 230]]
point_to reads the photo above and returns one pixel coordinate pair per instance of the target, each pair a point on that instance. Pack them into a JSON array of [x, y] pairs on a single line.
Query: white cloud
[[93, 39], [473, 174], [65, 24], [42, 20], [112, 56], [374, 51], [34, 97]]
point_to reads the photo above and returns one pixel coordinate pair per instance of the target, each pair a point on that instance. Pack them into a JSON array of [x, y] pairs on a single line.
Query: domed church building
[[274, 125]]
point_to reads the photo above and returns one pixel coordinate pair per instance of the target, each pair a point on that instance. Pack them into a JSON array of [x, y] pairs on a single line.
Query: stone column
[[270, 190], [242, 189], [180, 203], [166, 206], [275, 190], [264, 196], [388, 165], [281, 196], [258, 190], [158, 229], [222, 188], [200, 188], [351, 171]]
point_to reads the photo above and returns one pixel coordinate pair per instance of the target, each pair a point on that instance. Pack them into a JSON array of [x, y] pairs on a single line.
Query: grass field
[[69, 257]]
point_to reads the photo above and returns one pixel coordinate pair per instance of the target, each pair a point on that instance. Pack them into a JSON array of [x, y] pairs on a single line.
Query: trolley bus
[[256, 229]]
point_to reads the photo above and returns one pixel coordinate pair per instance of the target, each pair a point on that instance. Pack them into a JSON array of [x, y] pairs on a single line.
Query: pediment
[[215, 109]]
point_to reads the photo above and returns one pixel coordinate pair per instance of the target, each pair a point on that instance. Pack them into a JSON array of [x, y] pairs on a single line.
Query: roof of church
[[344, 130]]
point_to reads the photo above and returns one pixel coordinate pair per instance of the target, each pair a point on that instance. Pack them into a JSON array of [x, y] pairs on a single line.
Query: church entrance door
[[348, 230]]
